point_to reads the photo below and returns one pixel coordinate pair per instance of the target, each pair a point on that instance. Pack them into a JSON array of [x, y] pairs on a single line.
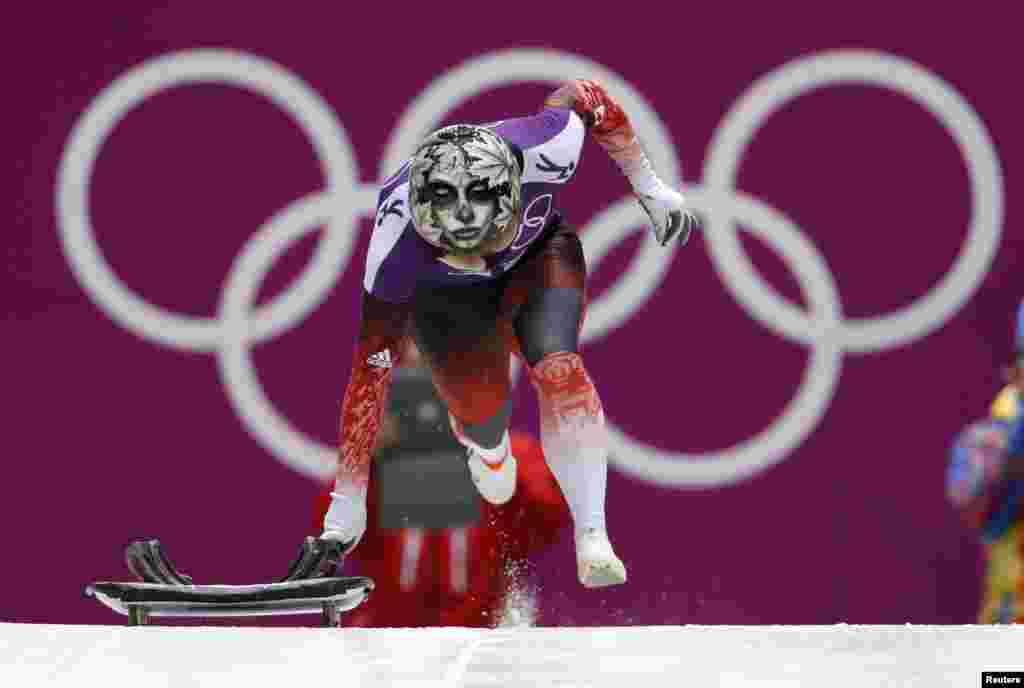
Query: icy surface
[[776, 656]]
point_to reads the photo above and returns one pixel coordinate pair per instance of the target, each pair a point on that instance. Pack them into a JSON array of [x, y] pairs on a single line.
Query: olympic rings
[[239, 324]]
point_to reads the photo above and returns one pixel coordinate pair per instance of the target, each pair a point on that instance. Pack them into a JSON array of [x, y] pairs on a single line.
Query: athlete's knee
[[564, 387]]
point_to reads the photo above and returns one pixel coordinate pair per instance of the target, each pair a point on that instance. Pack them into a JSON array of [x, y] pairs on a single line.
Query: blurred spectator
[[985, 481], [440, 555]]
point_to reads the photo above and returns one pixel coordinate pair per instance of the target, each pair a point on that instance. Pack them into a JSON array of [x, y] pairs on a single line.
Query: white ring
[[937, 97], [636, 285], [272, 430], [291, 94], [800, 416]]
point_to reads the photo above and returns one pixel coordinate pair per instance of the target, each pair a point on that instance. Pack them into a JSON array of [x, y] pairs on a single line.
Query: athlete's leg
[[462, 341], [548, 298], [458, 333]]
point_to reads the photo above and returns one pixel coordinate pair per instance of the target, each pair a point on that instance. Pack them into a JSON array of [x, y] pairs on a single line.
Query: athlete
[[472, 259], [985, 480]]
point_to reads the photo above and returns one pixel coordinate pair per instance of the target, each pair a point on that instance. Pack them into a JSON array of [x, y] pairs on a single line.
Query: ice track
[[835, 656]]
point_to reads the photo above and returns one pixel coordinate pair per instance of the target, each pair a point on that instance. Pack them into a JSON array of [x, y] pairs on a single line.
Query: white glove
[[345, 520], [667, 209]]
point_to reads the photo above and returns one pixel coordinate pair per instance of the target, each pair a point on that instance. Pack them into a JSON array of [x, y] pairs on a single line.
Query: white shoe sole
[[601, 574], [497, 487]]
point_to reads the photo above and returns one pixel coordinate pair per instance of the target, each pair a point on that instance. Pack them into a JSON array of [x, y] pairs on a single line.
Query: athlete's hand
[[345, 520], [669, 215]]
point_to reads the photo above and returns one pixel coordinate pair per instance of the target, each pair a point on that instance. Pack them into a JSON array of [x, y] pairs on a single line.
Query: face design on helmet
[[464, 188], [463, 206]]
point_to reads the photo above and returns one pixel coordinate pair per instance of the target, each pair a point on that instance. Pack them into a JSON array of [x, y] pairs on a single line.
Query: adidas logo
[[381, 359]]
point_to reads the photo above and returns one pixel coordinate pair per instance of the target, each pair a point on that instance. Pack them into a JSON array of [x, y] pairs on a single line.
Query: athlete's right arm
[[378, 348]]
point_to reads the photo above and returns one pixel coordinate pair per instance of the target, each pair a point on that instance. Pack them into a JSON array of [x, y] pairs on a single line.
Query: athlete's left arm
[[611, 129]]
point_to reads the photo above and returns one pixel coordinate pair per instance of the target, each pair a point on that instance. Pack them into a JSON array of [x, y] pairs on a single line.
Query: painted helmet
[[464, 187]]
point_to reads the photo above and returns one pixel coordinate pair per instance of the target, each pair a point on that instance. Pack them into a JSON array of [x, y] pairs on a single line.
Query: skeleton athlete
[[470, 257]]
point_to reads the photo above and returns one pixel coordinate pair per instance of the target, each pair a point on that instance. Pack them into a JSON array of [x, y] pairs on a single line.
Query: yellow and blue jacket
[[1003, 535]]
